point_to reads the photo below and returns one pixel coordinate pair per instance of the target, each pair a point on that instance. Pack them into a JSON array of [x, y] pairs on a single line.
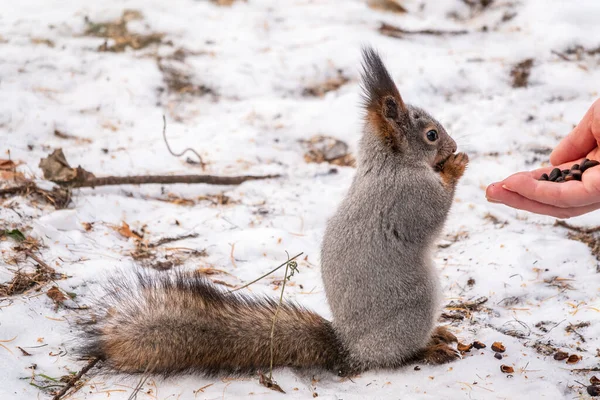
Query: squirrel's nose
[[453, 146]]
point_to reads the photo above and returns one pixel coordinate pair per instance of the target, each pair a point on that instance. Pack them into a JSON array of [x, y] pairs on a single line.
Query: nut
[[507, 369], [573, 359], [498, 347], [464, 347], [561, 355]]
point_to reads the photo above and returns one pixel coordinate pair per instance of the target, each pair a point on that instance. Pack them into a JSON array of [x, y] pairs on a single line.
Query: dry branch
[[76, 378], [165, 179], [576, 228], [57, 169]]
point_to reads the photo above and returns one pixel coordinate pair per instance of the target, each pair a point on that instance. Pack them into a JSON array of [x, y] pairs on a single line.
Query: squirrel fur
[[377, 266]]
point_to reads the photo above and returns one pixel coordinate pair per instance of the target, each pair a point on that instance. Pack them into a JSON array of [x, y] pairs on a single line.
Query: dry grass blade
[[57, 197], [184, 151], [397, 32], [267, 274]]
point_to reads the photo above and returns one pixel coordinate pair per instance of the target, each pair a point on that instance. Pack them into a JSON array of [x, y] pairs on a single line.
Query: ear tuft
[[378, 87]]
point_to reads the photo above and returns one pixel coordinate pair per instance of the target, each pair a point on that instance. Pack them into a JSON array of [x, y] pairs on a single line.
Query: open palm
[[569, 199]]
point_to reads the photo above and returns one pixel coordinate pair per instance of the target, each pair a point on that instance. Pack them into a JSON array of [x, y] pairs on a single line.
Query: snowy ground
[[245, 110]]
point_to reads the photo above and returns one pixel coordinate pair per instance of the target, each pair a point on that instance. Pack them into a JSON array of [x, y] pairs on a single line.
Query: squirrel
[[377, 267]]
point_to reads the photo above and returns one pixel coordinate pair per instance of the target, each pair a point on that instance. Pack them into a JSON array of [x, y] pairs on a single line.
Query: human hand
[[562, 200]]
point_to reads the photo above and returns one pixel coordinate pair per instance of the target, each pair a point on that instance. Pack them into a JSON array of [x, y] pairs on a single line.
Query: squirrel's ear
[[381, 98]]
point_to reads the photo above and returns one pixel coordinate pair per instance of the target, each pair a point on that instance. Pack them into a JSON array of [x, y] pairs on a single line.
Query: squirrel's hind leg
[[442, 335], [438, 350], [439, 353]]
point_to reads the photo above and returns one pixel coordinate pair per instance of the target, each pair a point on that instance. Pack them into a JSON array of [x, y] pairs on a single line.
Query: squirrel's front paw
[[454, 167]]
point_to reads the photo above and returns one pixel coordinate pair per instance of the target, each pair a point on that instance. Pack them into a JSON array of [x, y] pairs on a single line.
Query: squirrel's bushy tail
[[173, 323]]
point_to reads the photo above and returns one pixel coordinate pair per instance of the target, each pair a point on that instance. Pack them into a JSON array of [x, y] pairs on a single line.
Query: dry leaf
[[119, 33], [56, 168], [520, 73], [269, 383], [327, 149], [125, 231], [7, 165], [56, 295]]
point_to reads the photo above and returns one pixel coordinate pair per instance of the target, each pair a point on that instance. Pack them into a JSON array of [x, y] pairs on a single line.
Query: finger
[[582, 139], [496, 194]]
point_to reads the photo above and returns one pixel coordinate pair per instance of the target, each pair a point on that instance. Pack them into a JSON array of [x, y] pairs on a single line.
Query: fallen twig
[[47, 269], [594, 369], [56, 168], [560, 55], [573, 328], [468, 305], [397, 32], [455, 316], [165, 179], [576, 228], [76, 378], [171, 239]]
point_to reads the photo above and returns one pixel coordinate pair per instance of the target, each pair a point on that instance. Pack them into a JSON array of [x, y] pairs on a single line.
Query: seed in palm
[[566, 175]]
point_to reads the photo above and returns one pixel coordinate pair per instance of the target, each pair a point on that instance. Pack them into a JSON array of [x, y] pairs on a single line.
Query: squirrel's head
[[397, 128]]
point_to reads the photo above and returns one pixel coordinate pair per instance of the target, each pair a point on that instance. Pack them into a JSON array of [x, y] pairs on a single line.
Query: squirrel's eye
[[432, 135]]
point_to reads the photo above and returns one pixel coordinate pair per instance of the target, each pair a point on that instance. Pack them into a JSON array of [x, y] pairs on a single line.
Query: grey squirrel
[[377, 266]]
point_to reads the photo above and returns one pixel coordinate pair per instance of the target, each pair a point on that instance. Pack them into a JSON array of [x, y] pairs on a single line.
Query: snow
[[258, 56]]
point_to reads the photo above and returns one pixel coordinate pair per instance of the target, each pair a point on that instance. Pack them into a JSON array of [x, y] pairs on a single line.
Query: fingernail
[[493, 200], [507, 188]]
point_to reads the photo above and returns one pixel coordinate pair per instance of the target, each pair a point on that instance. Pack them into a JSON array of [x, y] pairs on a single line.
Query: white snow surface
[[257, 57]]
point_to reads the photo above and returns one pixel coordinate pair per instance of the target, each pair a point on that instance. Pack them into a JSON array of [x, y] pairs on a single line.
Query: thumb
[[581, 140]]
